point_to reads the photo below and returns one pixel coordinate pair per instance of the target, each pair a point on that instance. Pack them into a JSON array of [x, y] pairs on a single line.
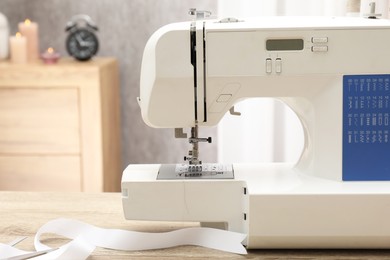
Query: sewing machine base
[[274, 204]]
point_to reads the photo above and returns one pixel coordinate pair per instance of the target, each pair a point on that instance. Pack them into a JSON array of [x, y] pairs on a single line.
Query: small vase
[[4, 37]]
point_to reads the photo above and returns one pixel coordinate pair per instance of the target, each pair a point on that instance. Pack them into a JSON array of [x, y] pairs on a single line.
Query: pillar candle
[[30, 30], [18, 48]]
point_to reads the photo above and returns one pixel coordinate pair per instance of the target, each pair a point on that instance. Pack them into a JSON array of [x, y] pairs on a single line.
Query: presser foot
[[194, 140], [195, 171]]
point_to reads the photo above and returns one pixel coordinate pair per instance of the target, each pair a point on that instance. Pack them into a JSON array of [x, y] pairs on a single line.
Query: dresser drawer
[[60, 126], [40, 173], [39, 121]]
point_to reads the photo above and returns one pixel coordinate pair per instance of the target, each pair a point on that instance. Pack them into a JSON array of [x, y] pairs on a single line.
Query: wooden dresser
[[60, 126]]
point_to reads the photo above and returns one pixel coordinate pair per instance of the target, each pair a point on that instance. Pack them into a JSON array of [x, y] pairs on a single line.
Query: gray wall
[[124, 27]]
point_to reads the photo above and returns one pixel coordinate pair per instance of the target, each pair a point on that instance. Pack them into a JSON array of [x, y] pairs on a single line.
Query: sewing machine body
[[329, 71]]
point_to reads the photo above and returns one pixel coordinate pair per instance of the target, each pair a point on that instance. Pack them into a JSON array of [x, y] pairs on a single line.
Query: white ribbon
[[10, 251], [86, 237]]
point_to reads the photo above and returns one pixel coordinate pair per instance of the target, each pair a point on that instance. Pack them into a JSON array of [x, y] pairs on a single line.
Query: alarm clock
[[82, 42]]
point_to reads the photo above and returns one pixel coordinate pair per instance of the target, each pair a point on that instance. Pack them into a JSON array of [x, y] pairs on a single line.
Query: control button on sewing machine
[[223, 98], [319, 39], [319, 48], [268, 65], [278, 65]]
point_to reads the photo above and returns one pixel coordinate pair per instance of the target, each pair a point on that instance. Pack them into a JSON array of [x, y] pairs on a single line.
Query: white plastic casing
[[275, 205], [305, 205], [235, 54]]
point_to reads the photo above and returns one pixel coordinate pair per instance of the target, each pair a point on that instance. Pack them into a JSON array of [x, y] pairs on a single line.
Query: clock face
[[82, 44]]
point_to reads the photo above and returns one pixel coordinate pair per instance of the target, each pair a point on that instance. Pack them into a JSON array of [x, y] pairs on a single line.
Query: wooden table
[[22, 213]]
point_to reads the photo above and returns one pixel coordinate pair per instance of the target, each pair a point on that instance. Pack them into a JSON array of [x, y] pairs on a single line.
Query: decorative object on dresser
[[4, 34], [18, 48], [50, 56], [29, 30], [60, 126], [81, 42]]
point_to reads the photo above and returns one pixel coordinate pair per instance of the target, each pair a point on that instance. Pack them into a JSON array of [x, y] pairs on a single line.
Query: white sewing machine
[[335, 75]]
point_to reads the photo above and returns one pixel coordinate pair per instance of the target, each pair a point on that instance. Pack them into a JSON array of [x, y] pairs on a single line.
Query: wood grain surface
[[69, 112], [22, 213]]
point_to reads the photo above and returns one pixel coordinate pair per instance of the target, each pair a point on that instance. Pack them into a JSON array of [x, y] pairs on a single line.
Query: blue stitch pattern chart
[[366, 144]]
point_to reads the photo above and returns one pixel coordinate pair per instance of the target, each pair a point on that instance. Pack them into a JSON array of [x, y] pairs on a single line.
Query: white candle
[[30, 31], [18, 48]]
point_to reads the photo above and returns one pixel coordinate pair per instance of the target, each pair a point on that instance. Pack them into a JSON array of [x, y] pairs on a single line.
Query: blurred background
[[124, 28]]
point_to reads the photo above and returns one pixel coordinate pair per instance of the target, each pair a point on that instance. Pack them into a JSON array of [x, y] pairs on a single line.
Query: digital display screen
[[284, 45]]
